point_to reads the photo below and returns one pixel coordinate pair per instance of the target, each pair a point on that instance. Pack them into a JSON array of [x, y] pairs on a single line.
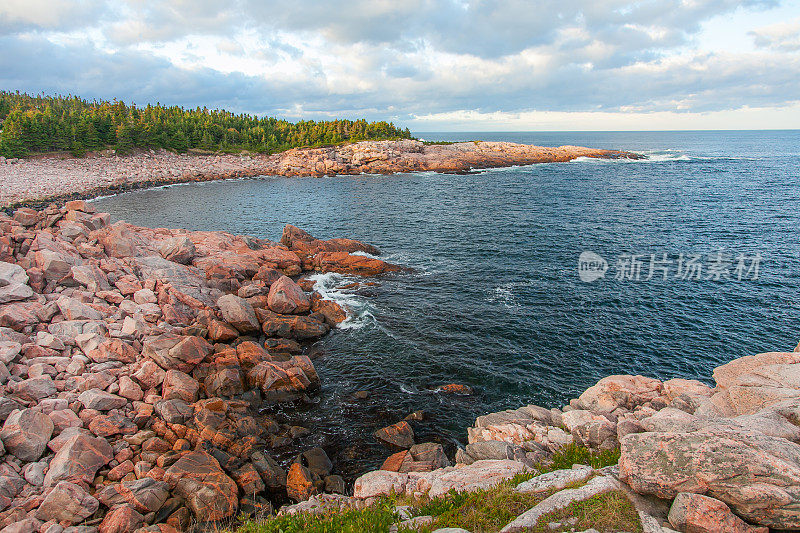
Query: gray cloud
[[389, 60]]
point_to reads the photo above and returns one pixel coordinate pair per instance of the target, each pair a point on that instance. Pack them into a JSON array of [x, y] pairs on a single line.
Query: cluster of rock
[[34, 179], [133, 363], [693, 458]]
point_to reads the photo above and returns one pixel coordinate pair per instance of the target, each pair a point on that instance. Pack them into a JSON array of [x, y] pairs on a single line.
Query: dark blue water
[[496, 301]]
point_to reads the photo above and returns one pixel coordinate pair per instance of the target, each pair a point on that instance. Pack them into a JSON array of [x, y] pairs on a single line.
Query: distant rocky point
[[36, 180]]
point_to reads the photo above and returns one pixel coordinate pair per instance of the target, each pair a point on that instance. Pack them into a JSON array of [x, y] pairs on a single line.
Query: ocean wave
[[359, 311], [364, 254]]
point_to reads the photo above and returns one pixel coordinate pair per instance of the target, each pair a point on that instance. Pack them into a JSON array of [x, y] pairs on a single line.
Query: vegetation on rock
[[35, 124]]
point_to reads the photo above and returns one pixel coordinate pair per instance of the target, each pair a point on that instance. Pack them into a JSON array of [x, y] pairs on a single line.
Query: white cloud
[[405, 60], [783, 36]]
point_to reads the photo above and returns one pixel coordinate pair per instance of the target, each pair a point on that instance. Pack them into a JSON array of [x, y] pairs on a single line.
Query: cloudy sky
[[426, 64]]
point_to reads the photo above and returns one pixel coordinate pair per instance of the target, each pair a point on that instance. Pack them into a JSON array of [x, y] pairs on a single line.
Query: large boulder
[[25, 434], [101, 400], [13, 283], [74, 309], [179, 249], [293, 326], [757, 475], [198, 478], [749, 384], [286, 297], [182, 353], [78, 459], [239, 313], [145, 495], [399, 435], [623, 391], [67, 502], [179, 385], [121, 519], [694, 513]]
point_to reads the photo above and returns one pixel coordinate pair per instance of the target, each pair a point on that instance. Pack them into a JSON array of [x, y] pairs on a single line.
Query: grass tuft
[[611, 511]]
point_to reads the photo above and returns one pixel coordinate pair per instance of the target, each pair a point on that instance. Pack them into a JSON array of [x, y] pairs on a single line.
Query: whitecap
[[359, 310], [504, 294]]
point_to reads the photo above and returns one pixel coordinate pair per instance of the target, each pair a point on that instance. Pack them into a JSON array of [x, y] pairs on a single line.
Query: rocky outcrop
[[725, 458], [133, 366], [54, 177]]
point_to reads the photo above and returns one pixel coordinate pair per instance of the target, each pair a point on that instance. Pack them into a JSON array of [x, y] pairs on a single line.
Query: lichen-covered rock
[[239, 313], [145, 495], [757, 475], [694, 513], [121, 519], [287, 298], [461, 478], [399, 435]]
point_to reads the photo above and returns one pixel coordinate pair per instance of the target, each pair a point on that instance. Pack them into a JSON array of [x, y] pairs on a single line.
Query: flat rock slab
[[556, 480], [463, 478]]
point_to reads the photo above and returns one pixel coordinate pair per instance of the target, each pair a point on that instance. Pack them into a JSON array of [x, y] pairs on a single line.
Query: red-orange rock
[[333, 312], [286, 297], [455, 388], [394, 461], [300, 483], [209, 492], [122, 519], [292, 327], [695, 513], [399, 435], [345, 263], [219, 331]]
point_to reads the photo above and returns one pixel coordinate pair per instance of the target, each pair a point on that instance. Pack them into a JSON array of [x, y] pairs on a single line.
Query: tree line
[[38, 123]]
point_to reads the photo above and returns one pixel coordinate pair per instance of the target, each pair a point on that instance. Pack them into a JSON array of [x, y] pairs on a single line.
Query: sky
[[448, 65]]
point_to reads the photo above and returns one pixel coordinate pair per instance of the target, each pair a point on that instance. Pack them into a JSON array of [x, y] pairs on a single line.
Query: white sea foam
[[408, 389], [364, 254], [359, 311], [504, 294]]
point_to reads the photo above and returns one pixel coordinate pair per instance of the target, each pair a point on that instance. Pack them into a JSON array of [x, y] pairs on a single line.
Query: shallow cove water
[[496, 301]]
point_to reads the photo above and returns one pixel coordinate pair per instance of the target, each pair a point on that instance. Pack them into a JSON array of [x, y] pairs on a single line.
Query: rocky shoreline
[[134, 363], [692, 458], [38, 181]]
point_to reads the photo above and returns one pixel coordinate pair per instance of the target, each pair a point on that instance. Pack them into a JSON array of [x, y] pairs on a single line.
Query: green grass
[[481, 511], [572, 454], [374, 519], [611, 511]]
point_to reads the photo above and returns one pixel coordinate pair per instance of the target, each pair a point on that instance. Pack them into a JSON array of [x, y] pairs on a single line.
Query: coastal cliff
[[37, 180]]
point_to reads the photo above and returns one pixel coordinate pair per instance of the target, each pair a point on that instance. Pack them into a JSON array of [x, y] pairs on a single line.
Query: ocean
[[528, 283]]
